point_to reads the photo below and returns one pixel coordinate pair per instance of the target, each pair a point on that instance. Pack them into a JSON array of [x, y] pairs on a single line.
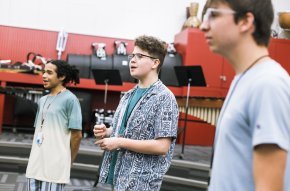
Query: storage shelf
[[89, 84]]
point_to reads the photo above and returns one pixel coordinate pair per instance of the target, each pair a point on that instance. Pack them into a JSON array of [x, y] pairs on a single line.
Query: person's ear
[[247, 23], [156, 63], [61, 78]]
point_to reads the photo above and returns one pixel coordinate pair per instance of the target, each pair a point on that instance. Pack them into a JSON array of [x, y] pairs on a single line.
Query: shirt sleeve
[[269, 112], [166, 117], [74, 114]]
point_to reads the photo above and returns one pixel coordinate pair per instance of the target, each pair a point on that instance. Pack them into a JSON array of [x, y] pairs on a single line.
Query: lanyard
[[44, 112]]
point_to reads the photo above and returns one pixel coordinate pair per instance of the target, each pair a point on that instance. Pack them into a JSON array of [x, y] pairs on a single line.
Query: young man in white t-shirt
[[58, 126], [251, 148]]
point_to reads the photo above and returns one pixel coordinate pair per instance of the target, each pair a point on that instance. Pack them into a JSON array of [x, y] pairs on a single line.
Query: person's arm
[[269, 167], [75, 140], [158, 146]]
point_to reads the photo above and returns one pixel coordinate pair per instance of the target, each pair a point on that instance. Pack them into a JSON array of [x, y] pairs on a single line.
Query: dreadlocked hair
[[70, 72]]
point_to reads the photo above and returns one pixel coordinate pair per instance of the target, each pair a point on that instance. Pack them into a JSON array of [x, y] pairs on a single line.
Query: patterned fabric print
[[155, 115], [37, 185]]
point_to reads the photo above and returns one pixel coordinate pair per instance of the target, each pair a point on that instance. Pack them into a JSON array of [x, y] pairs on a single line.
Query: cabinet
[[89, 85], [218, 74]]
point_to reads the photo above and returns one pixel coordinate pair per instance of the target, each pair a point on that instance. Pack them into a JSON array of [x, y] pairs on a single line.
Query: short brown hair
[[155, 47], [262, 11]]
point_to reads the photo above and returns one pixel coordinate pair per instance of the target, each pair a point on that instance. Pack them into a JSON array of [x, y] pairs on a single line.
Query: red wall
[[197, 131], [16, 43]]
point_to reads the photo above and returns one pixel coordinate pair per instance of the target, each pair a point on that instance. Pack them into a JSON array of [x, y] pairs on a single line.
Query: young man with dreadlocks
[[58, 126]]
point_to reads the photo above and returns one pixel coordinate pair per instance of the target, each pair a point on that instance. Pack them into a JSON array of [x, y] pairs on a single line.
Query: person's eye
[[214, 14], [139, 56]]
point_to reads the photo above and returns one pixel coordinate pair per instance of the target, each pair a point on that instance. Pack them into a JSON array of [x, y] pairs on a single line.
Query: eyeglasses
[[139, 56], [211, 13]]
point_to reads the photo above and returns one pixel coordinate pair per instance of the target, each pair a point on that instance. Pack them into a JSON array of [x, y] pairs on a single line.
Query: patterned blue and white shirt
[[154, 116]]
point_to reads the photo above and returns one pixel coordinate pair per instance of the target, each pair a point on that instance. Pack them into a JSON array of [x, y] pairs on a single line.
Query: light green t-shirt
[[51, 161]]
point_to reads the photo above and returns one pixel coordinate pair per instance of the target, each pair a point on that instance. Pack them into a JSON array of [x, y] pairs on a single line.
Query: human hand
[[100, 131], [109, 144]]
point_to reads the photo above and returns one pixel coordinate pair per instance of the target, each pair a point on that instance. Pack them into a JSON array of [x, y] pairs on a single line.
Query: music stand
[[188, 76], [107, 77]]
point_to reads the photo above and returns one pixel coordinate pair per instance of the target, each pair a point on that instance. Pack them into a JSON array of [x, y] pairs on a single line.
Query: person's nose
[[204, 26], [44, 75], [133, 60]]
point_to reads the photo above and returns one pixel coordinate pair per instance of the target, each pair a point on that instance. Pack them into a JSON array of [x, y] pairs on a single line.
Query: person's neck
[[147, 82], [56, 90], [245, 56]]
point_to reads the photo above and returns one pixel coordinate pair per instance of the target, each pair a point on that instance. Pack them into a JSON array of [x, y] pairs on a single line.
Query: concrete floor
[[13, 181]]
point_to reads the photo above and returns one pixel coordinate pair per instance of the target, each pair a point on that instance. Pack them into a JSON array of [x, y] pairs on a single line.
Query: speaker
[[167, 73], [82, 63], [98, 63], [121, 63]]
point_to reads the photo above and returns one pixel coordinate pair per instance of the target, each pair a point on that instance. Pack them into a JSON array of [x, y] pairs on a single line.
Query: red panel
[[181, 43], [197, 53], [9, 110], [15, 43], [2, 101], [192, 45], [272, 48], [227, 75], [88, 84], [197, 133], [282, 51]]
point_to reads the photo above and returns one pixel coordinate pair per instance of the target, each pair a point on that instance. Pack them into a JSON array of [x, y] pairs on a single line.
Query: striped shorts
[[37, 185]]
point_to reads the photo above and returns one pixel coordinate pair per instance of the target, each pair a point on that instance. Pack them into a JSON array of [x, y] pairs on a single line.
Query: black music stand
[[188, 76], [107, 77]]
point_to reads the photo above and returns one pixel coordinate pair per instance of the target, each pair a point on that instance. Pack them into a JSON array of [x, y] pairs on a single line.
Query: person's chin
[[136, 77], [45, 86], [213, 49], [133, 74]]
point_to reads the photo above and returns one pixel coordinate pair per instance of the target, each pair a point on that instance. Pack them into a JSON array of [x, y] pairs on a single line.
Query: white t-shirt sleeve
[[269, 111]]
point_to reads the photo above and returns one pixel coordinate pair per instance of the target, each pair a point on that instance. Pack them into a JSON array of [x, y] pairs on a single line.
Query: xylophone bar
[[206, 109]]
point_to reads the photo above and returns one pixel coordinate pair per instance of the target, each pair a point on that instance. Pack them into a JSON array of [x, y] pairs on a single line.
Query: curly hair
[[71, 73], [155, 47]]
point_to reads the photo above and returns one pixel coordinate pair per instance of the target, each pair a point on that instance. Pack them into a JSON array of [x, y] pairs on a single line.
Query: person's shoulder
[[160, 88], [43, 98], [270, 75], [163, 90], [70, 95], [272, 71]]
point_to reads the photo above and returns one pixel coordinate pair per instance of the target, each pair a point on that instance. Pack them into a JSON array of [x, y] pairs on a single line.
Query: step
[[87, 171]]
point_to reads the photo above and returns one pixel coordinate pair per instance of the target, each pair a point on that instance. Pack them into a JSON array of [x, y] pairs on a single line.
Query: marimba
[[206, 109]]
